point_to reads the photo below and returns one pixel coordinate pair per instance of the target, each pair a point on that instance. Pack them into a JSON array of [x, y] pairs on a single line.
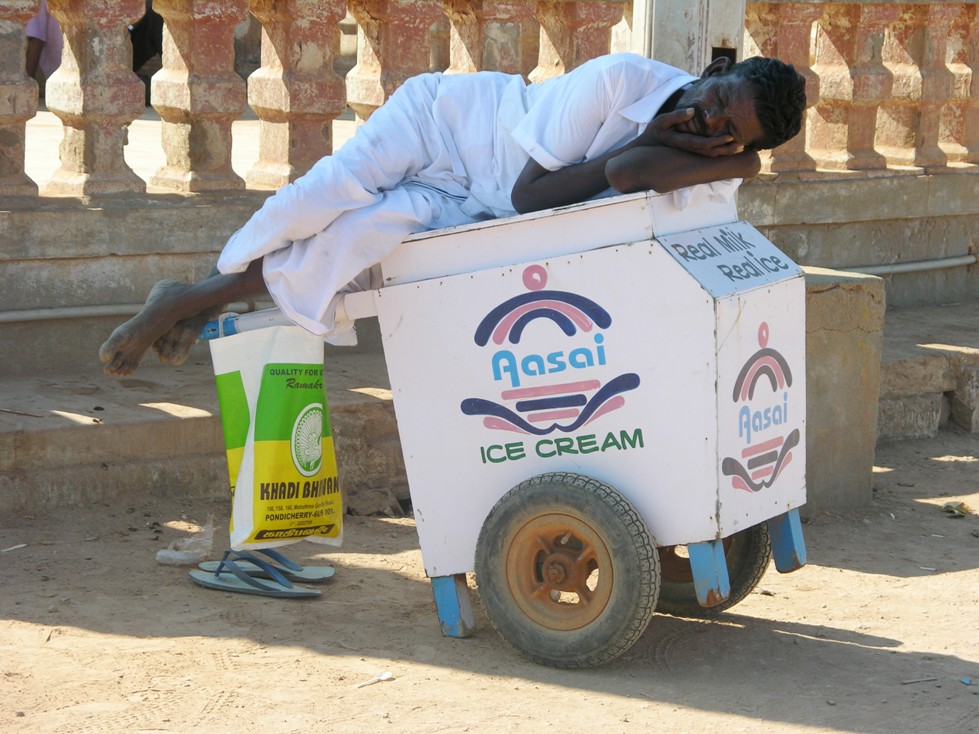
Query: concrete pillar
[[571, 33], [198, 94], [497, 36], [295, 93], [18, 97], [392, 45], [844, 344], [688, 34], [784, 31], [96, 95]]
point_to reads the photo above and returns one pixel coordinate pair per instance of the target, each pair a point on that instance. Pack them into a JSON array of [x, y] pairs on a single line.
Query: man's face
[[723, 105]]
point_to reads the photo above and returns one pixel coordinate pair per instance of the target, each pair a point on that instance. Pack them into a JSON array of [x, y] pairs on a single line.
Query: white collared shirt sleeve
[[580, 115]]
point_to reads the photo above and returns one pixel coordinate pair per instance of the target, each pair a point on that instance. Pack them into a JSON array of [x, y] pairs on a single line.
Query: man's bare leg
[[172, 312]]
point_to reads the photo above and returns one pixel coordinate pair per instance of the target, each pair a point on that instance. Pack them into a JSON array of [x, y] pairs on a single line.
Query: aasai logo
[[763, 419], [553, 391]]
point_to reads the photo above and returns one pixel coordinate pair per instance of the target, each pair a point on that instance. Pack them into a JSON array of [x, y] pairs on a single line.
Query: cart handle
[[351, 306]]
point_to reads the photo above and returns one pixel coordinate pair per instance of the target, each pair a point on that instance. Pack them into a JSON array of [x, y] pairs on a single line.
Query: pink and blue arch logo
[[554, 391], [762, 390]]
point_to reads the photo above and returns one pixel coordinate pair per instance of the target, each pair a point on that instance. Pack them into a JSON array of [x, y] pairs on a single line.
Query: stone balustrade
[[892, 86], [295, 93]]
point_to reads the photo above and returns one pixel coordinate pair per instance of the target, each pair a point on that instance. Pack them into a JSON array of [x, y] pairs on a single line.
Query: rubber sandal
[[256, 567], [295, 571], [228, 576]]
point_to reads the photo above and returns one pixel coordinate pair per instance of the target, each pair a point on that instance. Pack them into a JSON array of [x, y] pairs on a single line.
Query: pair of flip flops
[[247, 573]]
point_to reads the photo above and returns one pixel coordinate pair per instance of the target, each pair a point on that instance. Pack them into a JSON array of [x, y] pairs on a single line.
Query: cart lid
[[563, 231]]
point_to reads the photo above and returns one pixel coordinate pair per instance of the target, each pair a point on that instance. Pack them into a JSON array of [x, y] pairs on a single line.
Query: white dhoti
[[319, 236]]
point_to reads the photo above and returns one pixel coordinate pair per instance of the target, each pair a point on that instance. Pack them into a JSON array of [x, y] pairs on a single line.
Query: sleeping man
[[447, 150]]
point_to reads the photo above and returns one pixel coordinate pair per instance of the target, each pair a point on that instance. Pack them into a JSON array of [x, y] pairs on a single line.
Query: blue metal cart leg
[[788, 545], [710, 577], [454, 605]]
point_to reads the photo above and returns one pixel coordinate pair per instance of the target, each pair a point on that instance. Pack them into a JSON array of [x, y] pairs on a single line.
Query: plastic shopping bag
[[278, 438]]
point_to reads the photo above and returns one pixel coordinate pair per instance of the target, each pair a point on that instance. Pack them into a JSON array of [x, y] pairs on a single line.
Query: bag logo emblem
[[307, 440]]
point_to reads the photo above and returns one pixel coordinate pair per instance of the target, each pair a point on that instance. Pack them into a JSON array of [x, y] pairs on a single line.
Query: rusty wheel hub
[[559, 571]]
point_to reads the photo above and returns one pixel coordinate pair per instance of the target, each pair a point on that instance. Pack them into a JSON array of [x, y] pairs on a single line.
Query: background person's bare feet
[[127, 345], [174, 347]]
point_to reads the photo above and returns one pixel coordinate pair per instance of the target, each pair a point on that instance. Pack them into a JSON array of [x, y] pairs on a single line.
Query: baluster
[[827, 119], [872, 84], [198, 94], [18, 97], [295, 93], [901, 115], [467, 22], [621, 35], [970, 123], [937, 82], [498, 36], [392, 45], [96, 95], [573, 32], [953, 109], [784, 31]]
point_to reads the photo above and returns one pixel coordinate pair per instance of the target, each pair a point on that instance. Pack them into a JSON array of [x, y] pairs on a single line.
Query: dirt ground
[[877, 634]]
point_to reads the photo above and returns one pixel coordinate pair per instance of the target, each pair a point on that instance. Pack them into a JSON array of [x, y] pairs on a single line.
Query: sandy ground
[[874, 635]]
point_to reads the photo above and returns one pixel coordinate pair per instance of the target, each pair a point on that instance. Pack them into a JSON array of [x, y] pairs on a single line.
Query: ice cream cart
[[602, 414]]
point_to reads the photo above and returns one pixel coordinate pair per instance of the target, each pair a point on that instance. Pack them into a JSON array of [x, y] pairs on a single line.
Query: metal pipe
[[917, 266], [89, 312]]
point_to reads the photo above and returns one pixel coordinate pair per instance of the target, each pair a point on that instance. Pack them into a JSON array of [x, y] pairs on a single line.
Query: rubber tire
[[631, 553], [748, 554]]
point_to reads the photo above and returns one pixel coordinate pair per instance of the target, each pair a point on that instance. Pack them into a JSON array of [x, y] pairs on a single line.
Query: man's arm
[[661, 159], [662, 169], [538, 188]]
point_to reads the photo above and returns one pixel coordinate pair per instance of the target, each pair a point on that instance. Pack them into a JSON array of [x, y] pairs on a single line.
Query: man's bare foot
[[174, 347], [127, 345]]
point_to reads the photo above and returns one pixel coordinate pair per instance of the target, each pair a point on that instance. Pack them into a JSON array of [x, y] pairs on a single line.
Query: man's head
[[759, 102]]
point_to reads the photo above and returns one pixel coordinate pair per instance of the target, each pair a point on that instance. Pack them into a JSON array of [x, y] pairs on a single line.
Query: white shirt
[[595, 108], [586, 113]]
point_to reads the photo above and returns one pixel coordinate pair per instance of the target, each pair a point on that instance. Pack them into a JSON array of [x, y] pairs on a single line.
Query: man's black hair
[[780, 98]]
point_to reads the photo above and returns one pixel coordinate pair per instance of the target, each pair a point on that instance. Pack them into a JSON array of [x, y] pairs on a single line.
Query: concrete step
[[929, 371], [77, 437]]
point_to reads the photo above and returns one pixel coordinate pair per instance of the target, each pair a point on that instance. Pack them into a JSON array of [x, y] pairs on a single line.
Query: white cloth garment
[[442, 151]]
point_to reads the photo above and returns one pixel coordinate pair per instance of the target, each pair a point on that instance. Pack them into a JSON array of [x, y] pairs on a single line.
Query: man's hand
[[678, 129]]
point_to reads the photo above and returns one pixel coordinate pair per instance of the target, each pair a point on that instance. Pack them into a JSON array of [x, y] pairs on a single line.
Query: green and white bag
[[278, 439]]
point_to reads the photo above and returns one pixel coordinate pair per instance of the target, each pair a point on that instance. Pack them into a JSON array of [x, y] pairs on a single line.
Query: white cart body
[[657, 349]]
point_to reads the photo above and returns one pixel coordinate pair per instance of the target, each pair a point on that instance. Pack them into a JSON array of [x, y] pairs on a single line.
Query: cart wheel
[[567, 570], [747, 553]]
